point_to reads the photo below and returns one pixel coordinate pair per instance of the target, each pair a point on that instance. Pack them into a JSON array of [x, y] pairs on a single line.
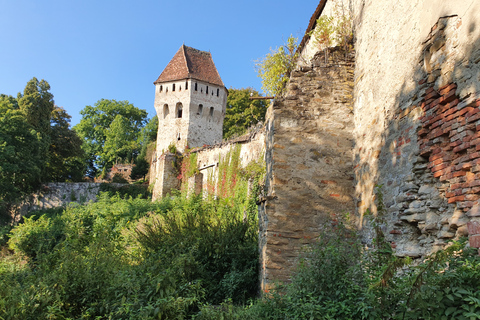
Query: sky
[[89, 50]]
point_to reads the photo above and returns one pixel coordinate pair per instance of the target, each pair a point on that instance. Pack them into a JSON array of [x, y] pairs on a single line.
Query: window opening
[[200, 109], [173, 87], [179, 110], [195, 86], [178, 136], [211, 112], [207, 90], [165, 111], [186, 85], [160, 89], [218, 92]]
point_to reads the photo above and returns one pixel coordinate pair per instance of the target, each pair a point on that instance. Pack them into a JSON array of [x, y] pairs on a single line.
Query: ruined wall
[[58, 194], [165, 179], [416, 99], [309, 142], [252, 148]]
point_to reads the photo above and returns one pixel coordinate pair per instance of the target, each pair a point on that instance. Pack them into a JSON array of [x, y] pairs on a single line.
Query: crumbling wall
[[57, 194], [309, 164], [416, 93]]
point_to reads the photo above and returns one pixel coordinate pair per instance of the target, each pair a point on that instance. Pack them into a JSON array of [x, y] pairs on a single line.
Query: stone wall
[[309, 143], [58, 194], [252, 148], [416, 93]]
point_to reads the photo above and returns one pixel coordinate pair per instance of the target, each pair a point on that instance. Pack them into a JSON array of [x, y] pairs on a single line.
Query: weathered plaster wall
[[194, 128], [309, 143], [410, 70], [252, 148]]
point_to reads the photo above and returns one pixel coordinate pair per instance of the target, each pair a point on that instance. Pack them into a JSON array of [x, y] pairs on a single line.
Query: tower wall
[[201, 121]]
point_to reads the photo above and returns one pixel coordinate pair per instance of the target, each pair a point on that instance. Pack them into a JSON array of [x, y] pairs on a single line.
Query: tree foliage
[[21, 153], [66, 157], [110, 131], [242, 113], [274, 69], [36, 143]]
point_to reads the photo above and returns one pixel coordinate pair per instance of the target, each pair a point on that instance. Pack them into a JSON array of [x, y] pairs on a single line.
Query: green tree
[[242, 113], [120, 142], [94, 127], [274, 69], [21, 153], [66, 157], [37, 105]]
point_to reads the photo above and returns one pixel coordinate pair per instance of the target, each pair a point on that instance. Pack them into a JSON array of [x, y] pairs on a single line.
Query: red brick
[[472, 197], [431, 95], [475, 183], [396, 232], [458, 174], [440, 167], [474, 155], [456, 186], [473, 118], [472, 112], [449, 97], [473, 227], [443, 155], [455, 199], [456, 143], [439, 173], [463, 166], [474, 241], [461, 147], [447, 88]]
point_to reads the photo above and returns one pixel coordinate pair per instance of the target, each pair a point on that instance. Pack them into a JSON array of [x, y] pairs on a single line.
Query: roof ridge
[[185, 59]]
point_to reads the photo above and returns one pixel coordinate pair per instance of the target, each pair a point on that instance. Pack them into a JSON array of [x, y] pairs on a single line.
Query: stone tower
[[190, 100]]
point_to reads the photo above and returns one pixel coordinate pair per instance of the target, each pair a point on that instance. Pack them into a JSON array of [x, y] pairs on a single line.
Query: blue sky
[[93, 49]]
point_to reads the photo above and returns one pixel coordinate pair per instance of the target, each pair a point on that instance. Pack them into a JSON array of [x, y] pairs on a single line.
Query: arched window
[[186, 85], [200, 109], [218, 92], [179, 110], [165, 111], [195, 86], [207, 90], [211, 112], [173, 87]]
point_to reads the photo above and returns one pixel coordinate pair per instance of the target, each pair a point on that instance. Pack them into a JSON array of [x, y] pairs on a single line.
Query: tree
[[37, 105], [21, 154], [242, 113], [274, 69], [66, 157], [94, 130]]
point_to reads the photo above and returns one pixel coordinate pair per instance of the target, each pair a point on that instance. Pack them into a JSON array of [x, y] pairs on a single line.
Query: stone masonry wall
[[58, 194], [309, 142], [416, 102]]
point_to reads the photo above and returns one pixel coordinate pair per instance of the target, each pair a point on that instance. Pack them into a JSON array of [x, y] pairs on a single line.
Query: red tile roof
[[190, 63]]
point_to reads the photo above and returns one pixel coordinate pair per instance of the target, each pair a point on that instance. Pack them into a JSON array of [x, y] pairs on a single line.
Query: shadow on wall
[[429, 163]]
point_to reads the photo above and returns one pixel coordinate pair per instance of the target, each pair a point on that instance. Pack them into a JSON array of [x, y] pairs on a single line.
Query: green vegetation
[[334, 30], [124, 257], [112, 132], [274, 69], [340, 279], [242, 113], [36, 144]]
